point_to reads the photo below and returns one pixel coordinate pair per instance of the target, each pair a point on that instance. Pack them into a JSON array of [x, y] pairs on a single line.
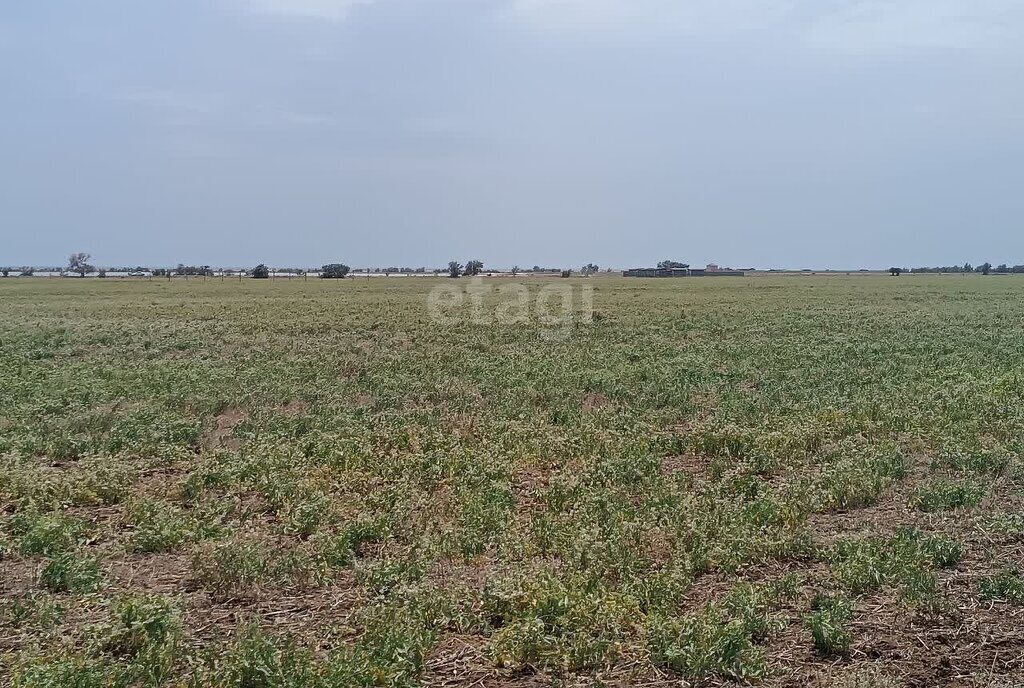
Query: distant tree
[[967, 268], [670, 264], [895, 272], [984, 268], [536, 268], [102, 272], [1002, 268], [27, 272], [590, 269], [515, 270], [334, 271], [473, 268], [79, 262], [5, 272], [196, 270], [454, 269], [261, 271]]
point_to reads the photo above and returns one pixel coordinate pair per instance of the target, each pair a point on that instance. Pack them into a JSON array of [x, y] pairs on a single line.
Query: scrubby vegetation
[[828, 623], [286, 483]]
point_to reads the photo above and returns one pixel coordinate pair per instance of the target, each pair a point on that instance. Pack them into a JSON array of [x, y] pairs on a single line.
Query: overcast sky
[[769, 133]]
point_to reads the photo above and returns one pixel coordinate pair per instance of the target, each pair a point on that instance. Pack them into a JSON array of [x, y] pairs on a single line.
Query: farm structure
[[710, 271]]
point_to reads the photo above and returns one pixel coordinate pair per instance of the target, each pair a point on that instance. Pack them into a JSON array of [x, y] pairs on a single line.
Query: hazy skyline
[[799, 133]]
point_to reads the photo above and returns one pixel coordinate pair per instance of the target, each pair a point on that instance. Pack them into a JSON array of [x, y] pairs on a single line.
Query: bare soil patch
[[221, 436]]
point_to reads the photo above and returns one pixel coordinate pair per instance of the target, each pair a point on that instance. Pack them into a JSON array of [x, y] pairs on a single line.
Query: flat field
[[766, 480]]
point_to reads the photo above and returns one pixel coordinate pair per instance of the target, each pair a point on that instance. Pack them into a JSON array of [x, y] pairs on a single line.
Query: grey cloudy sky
[[787, 133]]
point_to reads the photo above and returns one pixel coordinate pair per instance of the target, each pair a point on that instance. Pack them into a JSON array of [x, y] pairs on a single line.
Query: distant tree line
[[984, 268], [78, 263], [395, 270], [194, 270], [127, 268]]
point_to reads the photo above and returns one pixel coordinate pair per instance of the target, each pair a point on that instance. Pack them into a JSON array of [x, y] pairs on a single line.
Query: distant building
[[710, 271], [656, 272]]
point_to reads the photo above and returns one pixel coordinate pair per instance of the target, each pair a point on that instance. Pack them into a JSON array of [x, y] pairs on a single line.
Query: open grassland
[[772, 480]]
